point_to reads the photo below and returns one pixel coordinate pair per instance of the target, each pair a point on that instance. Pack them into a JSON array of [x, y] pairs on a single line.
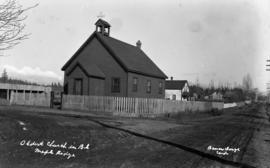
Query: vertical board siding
[[30, 99], [135, 107]]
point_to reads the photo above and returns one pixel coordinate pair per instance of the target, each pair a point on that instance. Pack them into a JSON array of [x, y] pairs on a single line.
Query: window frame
[[115, 89], [148, 86], [135, 85], [160, 87]]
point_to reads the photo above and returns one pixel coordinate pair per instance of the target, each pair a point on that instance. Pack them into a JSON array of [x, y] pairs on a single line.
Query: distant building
[[6, 89], [216, 96], [106, 66], [176, 89]]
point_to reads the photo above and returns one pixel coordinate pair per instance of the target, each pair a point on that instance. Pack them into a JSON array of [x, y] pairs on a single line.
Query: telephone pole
[[268, 65], [268, 83]]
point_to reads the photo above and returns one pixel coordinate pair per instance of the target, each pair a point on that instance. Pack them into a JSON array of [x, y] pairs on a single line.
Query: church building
[[106, 66]]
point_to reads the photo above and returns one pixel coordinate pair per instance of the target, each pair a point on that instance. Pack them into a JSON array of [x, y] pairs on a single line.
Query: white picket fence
[[31, 99], [135, 107]]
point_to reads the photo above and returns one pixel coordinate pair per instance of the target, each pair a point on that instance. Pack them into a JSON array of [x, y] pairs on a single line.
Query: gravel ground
[[245, 129]]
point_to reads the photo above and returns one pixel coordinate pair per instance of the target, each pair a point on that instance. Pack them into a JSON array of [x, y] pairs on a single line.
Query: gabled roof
[[130, 57], [90, 70], [175, 84], [102, 22]]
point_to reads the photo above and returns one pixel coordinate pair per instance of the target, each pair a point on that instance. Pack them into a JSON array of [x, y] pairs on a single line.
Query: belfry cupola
[[103, 27]]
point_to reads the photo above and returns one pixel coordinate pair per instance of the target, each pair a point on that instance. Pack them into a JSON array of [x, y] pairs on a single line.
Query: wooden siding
[[96, 86], [77, 73], [95, 53], [142, 86], [10, 86]]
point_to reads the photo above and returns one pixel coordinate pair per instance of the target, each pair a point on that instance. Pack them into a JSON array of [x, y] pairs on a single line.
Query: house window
[[148, 89], [135, 84], [160, 88], [116, 85], [78, 89]]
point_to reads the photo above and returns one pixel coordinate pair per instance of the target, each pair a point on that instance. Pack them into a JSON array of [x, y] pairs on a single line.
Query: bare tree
[[11, 24], [212, 85], [247, 82], [197, 82]]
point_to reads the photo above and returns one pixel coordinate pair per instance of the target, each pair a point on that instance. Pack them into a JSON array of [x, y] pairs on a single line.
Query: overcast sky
[[188, 39]]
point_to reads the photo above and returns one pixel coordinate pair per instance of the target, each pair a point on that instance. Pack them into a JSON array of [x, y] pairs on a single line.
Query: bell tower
[[103, 27]]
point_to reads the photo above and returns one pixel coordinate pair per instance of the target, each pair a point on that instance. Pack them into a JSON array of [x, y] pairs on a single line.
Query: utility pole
[[268, 83], [268, 65]]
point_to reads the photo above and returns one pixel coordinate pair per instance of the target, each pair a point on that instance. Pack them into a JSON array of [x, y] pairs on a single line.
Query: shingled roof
[[90, 70], [175, 84], [130, 57]]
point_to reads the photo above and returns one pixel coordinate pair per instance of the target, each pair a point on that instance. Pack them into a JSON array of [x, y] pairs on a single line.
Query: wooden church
[[106, 66]]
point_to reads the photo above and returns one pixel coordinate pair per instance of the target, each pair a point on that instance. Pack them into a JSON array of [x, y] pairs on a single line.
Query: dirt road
[[236, 138]]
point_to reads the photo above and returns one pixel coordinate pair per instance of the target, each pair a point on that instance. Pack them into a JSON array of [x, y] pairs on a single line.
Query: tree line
[[229, 94], [6, 79]]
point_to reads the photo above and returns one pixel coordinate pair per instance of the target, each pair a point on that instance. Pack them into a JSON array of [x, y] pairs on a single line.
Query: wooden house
[[176, 89]]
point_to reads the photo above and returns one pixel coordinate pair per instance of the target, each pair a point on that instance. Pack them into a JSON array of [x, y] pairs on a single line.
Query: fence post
[[52, 98], [163, 103], [61, 103], [136, 106], [113, 104]]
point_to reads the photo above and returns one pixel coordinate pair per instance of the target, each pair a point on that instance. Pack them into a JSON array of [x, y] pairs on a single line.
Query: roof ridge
[[176, 80], [144, 65], [117, 40], [135, 47]]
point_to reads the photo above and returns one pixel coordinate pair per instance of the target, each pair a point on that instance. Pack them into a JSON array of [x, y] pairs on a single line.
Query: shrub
[[215, 112]]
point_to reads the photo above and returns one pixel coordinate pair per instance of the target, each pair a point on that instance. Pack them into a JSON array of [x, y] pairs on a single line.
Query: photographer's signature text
[[223, 151]]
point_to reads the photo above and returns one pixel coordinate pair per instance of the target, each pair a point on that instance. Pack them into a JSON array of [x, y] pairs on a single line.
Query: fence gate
[[56, 100]]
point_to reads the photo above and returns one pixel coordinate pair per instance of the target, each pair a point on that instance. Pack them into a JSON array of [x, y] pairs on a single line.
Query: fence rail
[[135, 107]]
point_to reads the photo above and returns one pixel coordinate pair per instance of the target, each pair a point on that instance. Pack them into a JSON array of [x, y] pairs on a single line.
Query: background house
[[176, 89], [7, 88], [23, 94], [106, 66]]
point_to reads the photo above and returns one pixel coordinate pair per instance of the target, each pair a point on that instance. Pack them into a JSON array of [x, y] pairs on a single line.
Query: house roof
[[130, 57], [175, 84], [90, 70]]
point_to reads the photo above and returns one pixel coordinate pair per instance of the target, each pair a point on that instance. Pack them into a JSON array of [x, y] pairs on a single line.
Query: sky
[[194, 40]]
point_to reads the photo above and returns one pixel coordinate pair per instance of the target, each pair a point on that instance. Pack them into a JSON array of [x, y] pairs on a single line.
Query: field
[[236, 137]]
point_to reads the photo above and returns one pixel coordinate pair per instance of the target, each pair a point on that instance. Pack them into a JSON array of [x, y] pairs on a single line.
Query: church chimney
[[139, 44]]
